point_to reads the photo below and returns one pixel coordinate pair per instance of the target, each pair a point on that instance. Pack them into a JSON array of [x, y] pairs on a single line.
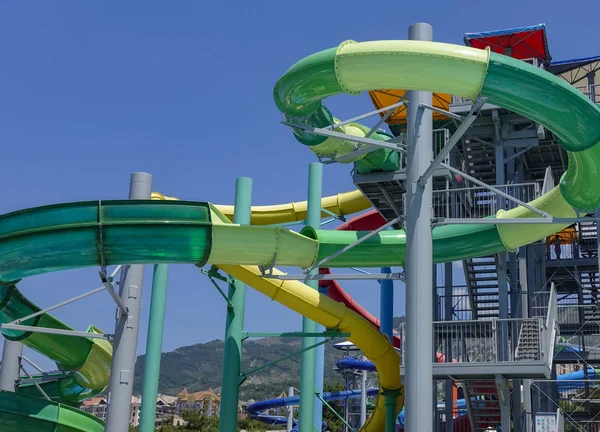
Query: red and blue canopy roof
[[522, 43]]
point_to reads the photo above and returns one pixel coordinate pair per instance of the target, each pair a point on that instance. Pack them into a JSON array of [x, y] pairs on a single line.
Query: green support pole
[[232, 360], [310, 405], [156, 322], [390, 409]]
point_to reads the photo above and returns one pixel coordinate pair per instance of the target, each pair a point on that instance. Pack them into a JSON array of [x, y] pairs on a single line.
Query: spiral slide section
[[66, 236]]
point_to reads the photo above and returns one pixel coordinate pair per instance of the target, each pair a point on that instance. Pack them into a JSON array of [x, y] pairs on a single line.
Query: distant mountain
[[198, 367]]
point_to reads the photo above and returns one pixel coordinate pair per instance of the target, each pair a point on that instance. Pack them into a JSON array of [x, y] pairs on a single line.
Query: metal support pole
[[591, 76], [232, 356], [390, 410], [11, 365], [363, 397], [154, 342], [524, 279], [504, 395], [126, 328], [386, 305], [448, 306], [502, 305], [290, 418], [312, 362], [598, 236], [419, 259]]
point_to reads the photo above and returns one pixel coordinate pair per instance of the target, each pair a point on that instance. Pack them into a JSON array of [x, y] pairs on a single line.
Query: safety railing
[[490, 341], [440, 139], [478, 202], [574, 242], [461, 305], [495, 340], [591, 91]]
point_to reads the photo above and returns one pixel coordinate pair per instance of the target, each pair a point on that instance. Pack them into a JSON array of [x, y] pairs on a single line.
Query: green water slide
[[66, 236]]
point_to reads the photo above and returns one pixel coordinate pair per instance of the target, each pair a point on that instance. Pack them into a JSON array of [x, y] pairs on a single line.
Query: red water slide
[[368, 221]]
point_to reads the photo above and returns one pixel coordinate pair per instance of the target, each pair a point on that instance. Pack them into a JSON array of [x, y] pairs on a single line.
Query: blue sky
[[92, 91]]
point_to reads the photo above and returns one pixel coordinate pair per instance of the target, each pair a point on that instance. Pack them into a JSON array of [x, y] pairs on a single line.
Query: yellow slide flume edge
[[345, 203], [333, 315]]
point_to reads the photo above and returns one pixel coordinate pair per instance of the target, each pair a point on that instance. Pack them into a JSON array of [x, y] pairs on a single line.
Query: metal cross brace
[[348, 157], [349, 276], [334, 215], [48, 330], [212, 275], [389, 109], [110, 288], [318, 395], [58, 305], [244, 375], [328, 334], [45, 378], [32, 364], [329, 133], [37, 386], [456, 136], [351, 245], [441, 111]]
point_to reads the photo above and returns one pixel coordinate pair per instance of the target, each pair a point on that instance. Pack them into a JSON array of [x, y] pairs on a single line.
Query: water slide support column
[[126, 328], [419, 259], [448, 306], [156, 321], [386, 305], [386, 326], [363, 396], [311, 365], [11, 365], [290, 418], [232, 355]]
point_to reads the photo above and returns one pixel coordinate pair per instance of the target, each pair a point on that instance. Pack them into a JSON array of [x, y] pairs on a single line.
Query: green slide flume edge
[[20, 413], [87, 361]]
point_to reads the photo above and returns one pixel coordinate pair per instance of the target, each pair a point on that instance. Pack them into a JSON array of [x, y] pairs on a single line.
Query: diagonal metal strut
[[456, 136], [356, 243]]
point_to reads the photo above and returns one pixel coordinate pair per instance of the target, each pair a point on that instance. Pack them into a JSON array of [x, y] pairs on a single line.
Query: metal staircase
[[529, 344], [481, 275], [480, 160], [483, 404]]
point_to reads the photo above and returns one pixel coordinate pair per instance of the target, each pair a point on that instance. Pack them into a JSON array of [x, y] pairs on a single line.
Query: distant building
[[165, 409], [207, 402], [96, 406]]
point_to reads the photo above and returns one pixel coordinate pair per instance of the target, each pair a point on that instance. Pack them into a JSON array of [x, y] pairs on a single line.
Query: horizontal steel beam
[[329, 334], [334, 134], [43, 378], [48, 330], [495, 221], [349, 276]]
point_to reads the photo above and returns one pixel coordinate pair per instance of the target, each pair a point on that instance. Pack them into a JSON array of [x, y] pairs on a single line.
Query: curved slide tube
[[255, 409], [342, 204], [118, 232]]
